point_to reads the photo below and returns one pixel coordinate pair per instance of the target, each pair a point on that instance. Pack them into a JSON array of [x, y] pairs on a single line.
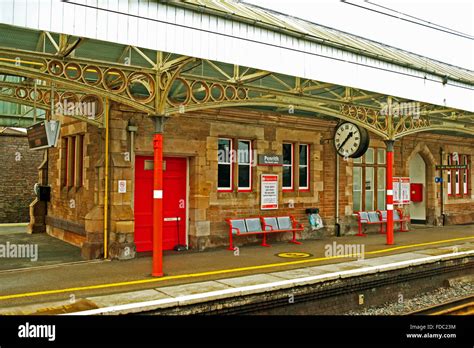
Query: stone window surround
[[67, 165]]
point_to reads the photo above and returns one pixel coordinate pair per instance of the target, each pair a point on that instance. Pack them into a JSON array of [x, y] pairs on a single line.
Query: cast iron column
[[158, 197], [389, 187]]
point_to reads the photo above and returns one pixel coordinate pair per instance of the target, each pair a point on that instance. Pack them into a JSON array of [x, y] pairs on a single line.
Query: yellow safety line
[[223, 271]]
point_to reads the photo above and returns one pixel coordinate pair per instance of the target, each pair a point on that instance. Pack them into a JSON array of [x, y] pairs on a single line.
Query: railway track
[[463, 306]]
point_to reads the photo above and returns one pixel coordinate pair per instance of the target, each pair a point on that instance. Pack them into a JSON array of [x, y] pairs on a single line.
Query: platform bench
[[379, 217], [368, 218], [398, 216], [263, 225]]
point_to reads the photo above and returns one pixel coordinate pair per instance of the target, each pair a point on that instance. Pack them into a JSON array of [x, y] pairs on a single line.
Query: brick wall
[[18, 174], [195, 136]]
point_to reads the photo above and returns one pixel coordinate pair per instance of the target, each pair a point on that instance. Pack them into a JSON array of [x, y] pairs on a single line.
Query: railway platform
[[200, 277]]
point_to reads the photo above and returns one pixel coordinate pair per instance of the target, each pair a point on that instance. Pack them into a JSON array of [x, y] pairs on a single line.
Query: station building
[[219, 115]]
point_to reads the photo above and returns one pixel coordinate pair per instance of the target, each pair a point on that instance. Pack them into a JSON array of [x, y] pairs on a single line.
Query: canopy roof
[[259, 16]]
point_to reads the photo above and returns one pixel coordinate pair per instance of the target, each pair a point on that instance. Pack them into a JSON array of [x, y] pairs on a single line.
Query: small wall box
[[416, 191]]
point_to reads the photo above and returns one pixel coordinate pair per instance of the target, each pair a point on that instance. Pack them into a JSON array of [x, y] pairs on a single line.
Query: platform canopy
[[165, 58]]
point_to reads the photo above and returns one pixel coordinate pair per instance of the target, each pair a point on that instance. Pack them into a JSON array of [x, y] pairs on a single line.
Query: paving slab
[[298, 273], [193, 288], [127, 297], [250, 280], [339, 267]]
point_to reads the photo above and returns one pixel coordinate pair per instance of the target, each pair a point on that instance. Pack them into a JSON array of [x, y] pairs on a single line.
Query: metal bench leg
[[264, 241], [231, 245], [401, 227], [381, 229], [294, 241], [360, 234]]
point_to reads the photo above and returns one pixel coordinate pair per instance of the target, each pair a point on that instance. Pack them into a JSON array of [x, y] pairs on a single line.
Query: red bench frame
[[403, 219], [367, 222], [297, 227]]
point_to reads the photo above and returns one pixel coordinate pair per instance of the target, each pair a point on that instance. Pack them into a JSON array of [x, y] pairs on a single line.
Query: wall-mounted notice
[[122, 186], [396, 191], [405, 190], [269, 192]]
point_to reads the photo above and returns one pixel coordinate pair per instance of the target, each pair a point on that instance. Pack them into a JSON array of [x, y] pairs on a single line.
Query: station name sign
[[270, 160], [43, 134], [451, 166]]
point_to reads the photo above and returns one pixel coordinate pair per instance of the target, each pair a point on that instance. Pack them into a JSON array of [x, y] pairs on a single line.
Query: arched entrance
[[417, 172]]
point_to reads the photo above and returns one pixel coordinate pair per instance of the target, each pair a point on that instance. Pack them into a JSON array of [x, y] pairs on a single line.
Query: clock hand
[[345, 141]]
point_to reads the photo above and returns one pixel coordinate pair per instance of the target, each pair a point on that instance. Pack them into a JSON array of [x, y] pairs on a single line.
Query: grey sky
[[455, 14]]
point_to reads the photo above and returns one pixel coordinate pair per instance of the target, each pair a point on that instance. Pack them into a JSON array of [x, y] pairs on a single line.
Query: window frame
[[308, 179], [249, 164], [231, 163], [72, 161], [458, 188], [375, 165], [291, 165], [65, 159]]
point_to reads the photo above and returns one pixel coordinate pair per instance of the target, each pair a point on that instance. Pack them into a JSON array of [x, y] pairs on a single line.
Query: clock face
[[350, 140]]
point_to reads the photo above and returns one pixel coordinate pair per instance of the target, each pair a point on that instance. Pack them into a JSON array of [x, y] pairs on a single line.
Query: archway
[[417, 173], [421, 168]]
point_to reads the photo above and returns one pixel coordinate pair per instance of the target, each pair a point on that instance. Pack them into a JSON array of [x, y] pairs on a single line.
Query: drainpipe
[[442, 185], [132, 128], [338, 226], [158, 197], [106, 174]]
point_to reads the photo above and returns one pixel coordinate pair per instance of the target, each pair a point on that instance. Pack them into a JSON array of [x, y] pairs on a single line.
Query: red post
[[389, 187], [158, 205]]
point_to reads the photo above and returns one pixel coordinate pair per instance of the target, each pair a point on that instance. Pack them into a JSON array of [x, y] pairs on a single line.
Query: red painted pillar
[[389, 188], [158, 204]]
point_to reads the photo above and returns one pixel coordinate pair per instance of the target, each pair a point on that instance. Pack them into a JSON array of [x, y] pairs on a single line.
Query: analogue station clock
[[351, 140]]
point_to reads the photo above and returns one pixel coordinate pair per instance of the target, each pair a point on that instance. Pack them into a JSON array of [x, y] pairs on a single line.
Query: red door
[[174, 202]]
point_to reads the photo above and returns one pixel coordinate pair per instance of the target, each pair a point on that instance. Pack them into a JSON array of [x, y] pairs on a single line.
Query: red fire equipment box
[[416, 192]]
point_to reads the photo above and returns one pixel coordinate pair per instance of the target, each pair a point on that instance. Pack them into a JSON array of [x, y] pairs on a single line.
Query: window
[[287, 167], [304, 167], [224, 171], [79, 159], [227, 156], [368, 181], [72, 160], [458, 179], [244, 158], [64, 164]]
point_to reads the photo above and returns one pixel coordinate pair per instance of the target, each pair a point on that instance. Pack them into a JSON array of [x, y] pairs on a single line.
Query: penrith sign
[[270, 160]]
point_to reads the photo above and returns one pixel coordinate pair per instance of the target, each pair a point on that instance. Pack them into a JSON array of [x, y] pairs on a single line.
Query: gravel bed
[[422, 301]]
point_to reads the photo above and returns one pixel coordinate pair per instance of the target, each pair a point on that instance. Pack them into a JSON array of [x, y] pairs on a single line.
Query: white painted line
[[389, 192], [157, 194], [389, 206], [181, 300]]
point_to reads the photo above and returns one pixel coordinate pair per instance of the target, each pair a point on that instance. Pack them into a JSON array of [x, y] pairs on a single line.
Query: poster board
[[405, 190], [401, 190], [269, 192], [396, 191]]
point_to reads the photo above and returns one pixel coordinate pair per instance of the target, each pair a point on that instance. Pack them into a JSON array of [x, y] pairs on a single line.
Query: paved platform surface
[[214, 270], [43, 250]]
